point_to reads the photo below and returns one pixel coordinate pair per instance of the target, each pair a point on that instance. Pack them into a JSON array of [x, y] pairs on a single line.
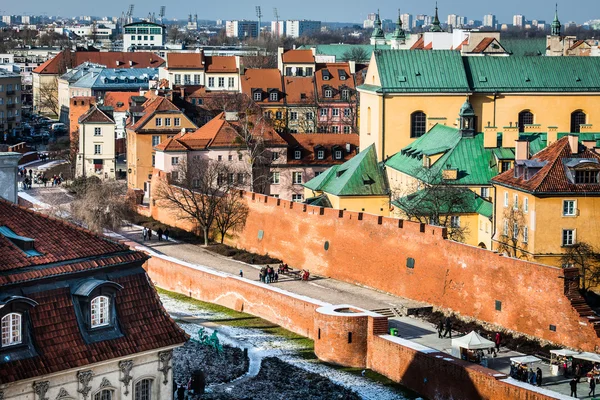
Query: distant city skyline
[[353, 10]]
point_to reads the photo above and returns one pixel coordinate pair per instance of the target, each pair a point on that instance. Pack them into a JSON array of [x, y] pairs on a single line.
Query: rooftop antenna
[[161, 13], [259, 16], [276, 19]]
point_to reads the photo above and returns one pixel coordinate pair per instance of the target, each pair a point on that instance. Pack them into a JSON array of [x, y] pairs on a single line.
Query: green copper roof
[[415, 71], [359, 176], [399, 33], [464, 201], [503, 153], [525, 47], [466, 155], [377, 31], [533, 74], [466, 110], [340, 51], [319, 201], [435, 25]]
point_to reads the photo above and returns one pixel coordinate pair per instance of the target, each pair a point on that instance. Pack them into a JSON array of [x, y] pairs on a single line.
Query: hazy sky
[[339, 11]]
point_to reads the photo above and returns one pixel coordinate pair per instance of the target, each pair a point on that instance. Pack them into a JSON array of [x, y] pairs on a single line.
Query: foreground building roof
[[111, 59]]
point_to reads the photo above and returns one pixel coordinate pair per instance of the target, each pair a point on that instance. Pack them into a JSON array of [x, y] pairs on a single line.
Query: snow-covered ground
[[261, 345]]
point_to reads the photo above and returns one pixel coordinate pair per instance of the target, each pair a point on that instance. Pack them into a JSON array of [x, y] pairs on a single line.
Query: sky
[[326, 11]]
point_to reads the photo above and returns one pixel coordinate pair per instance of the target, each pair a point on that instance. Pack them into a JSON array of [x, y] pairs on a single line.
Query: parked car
[[58, 126]]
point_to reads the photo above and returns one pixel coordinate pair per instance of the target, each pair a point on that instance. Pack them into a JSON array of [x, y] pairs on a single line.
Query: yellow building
[[405, 93], [359, 185], [158, 120], [549, 202], [265, 88]]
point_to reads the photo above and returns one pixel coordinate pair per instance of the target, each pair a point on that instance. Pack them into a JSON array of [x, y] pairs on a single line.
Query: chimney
[[574, 143], [352, 65], [521, 150], [552, 135], [510, 135], [182, 132], [490, 137]]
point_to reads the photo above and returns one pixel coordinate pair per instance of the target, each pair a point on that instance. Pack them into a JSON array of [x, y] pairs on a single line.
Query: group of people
[[29, 178], [147, 234], [527, 375], [444, 328], [268, 274], [573, 384]]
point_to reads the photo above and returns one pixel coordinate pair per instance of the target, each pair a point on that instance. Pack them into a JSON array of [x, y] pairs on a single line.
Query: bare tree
[[231, 214], [583, 256], [510, 237], [357, 54], [48, 96], [195, 190], [103, 205]]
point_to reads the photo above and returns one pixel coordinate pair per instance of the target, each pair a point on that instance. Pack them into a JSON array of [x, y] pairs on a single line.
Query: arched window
[[578, 118], [100, 311], [525, 118], [11, 329], [143, 390], [105, 394], [418, 124]]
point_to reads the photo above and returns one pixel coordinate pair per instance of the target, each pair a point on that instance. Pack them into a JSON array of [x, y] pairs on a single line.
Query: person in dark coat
[[573, 384], [592, 387], [149, 233], [448, 324], [180, 393], [539, 377], [167, 234], [159, 233], [440, 327]]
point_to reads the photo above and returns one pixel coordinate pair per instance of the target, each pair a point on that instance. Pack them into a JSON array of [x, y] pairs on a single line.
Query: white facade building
[[518, 20], [144, 35], [490, 21], [241, 29], [297, 28]]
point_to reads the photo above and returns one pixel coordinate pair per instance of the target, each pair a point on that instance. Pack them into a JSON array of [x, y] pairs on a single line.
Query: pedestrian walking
[[181, 392], [440, 328], [145, 234], [167, 234], [448, 325], [497, 341], [159, 233], [241, 273], [592, 386], [539, 377], [573, 384], [149, 233]]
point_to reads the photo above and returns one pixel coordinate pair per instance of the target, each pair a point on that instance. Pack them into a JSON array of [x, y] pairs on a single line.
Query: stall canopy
[[525, 360], [564, 352], [472, 341], [593, 357]]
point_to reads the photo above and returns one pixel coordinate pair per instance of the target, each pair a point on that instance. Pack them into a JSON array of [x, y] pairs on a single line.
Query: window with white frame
[[525, 234], [158, 121], [178, 79], [310, 116], [345, 94], [97, 149], [569, 208], [274, 156], [275, 178], [187, 79], [241, 177], [221, 82], [100, 311], [174, 160], [240, 156], [338, 154], [335, 129], [347, 112], [278, 115], [515, 201], [97, 131], [505, 228], [297, 178], [177, 121], [323, 112], [167, 121], [211, 82], [320, 154], [105, 394], [231, 82], [257, 96], [297, 154], [505, 199], [219, 158], [153, 160], [155, 140], [143, 390], [328, 93], [455, 221], [568, 237], [297, 198], [197, 79], [293, 116], [335, 112], [346, 129], [515, 232], [526, 205], [11, 329], [274, 96], [485, 192]]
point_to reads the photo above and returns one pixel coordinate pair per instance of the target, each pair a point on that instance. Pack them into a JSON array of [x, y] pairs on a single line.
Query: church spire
[[378, 31], [556, 26], [399, 33], [435, 25]]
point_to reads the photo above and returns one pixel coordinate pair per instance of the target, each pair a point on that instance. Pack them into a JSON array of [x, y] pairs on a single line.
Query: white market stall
[[466, 347], [560, 357]]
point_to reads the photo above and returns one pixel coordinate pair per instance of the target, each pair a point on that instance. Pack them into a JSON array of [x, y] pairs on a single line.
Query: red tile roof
[[95, 115], [263, 79], [216, 64], [464, 43], [56, 240], [111, 59], [334, 72], [308, 142], [419, 44], [299, 90], [60, 346], [552, 177], [483, 45], [298, 57], [185, 60], [119, 101], [152, 106]]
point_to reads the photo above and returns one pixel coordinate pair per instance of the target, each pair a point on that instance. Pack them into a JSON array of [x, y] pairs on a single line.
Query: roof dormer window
[[273, 96], [586, 176], [326, 75], [320, 154], [27, 245], [16, 335], [100, 311], [95, 308], [297, 154], [328, 93], [12, 329]]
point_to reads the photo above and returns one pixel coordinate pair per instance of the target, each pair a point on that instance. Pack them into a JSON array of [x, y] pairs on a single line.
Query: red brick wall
[[428, 374], [373, 251], [77, 107]]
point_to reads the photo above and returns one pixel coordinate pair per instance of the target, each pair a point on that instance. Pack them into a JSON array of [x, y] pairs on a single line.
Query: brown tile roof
[[577, 44], [60, 346], [298, 57], [216, 64], [119, 101], [464, 43], [484, 44], [264, 79], [299, 90], [173, 144], [552, 177], [111, 59], [429, 46], [95, 115], [56, 240], [334, 71], [185, 60], [308, 143], [152, 106], [419, 44]]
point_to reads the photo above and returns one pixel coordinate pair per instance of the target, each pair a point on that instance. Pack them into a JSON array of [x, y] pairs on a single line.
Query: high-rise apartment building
[[299, 28], [407, 21], [369, 23], [518, 20], [10, 102], [278, 28], [242, 29], [490, 21]]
